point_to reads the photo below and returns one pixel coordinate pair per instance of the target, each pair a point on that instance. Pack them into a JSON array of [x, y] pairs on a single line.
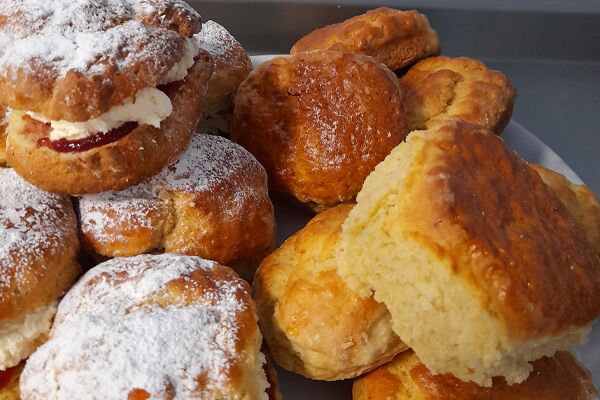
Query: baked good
[[4, 115], [394, 37], [152, 326], [481, 266], [439, 89], [557, 378], [313, 323], [105, 94], [579, 200], [9, 383], [319, 122], [213, 202], [38, 250]]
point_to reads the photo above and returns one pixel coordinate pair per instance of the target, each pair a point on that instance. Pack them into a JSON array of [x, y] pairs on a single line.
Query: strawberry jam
[[7, 376]]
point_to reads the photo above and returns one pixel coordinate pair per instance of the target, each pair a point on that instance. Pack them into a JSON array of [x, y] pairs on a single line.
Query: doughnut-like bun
[[213, 203], [319, 122], [439, 89], [4, 116], [152, 326], [481, 266], [9, 383], [394, 37], [556, 378], [313, 323]]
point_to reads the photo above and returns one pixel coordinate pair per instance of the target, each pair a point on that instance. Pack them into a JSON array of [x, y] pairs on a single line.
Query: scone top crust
[[394, 37], [38, 246], [157, 327], [481, 207], [74, 60]]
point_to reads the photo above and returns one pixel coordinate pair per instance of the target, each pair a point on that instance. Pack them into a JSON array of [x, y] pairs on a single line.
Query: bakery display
[[394, 37], [213, 202], [481, 266], [4, 116], [300, 296], [105, 94], [438, 89], [152, 326], [557, 378], [319, 122], [38, 251]]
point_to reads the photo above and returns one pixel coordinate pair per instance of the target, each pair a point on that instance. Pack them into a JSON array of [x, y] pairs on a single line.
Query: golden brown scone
[[9, 383], [439, 89], [314, 324], [579, 199], [213, 203], [557, 378], [4, 115], [152, 326], [38, 250], [394, 37], [319, 122], [481, 266]]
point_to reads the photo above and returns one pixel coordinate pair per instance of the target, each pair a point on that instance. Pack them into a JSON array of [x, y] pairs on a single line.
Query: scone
[[319, 122], [394, 37], [313, 323], [159, 327], [481, 266], [213, 203], [9, 383], [4, 116], [439, 89], [557, 378], [38, 251], [105, 94]]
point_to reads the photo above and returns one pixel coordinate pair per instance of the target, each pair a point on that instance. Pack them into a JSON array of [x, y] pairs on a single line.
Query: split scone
[[152, 327], [319, 122], [4, 116], [394, 37], [439, 89], [105, 94], [481, 266], [313, 323], [38, 264], [557, 378], [213, 203]]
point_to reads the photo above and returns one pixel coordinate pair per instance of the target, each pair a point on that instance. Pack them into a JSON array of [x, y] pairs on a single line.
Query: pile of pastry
[[440, 265]]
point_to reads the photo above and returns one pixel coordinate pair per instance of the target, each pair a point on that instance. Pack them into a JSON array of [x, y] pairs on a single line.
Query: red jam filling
[[6, 376]]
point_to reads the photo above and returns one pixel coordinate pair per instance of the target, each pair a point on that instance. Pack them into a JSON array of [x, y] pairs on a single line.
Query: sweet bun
[[313, 323], [4, 116], [213, 202], [152, 326], [439, 89], [38, 250], [557, 378], [481, 266], [9, 383], [319, 122], [395, 38]]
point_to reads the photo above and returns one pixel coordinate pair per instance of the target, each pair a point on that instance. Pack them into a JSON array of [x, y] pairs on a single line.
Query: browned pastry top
[[396, 38]]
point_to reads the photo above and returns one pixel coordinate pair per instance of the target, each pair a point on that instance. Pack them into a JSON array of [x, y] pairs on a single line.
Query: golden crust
[[439, 89], [319, 122], [405, 378], [395, 38], [141, 154], [313, 323], [9, 383]]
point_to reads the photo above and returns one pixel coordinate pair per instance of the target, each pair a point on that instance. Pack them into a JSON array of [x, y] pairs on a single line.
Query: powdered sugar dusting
[[215, 39]]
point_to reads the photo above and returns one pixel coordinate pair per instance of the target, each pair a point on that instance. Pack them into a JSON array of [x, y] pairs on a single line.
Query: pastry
[[213, 202], [105, 94], [9, 383], [319, 122], [557, 378], [314, 324], [4, 115], [481, 266], [38, 250], [439, 89], [394, 37], [152, 326]]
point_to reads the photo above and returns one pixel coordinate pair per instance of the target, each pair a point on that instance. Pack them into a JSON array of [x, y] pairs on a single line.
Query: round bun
[[9, 383], [439, 89], [481, 266], [557, 378], [160, 327], [213, 203], [38, 250], [313, 323], [139, 155], [319, 122], [4, 116]]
